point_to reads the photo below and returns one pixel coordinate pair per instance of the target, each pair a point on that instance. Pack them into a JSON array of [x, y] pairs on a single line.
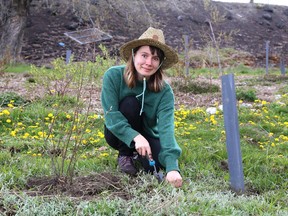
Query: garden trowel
[[158, 175]]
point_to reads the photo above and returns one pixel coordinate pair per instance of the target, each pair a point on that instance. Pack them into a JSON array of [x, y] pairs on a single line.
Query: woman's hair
[[155, 83]]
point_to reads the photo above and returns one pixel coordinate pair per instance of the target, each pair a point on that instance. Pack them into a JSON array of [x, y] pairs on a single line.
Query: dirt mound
[[83, 186], [249, 27]]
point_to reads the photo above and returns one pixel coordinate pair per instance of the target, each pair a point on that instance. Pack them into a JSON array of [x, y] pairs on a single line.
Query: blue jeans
[[130, 108]]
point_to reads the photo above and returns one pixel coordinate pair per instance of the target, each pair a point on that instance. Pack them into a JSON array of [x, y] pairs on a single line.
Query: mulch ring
[[84, 187]]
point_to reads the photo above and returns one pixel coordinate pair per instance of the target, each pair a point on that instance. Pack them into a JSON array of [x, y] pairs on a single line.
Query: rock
[[211, 110], [280, 25], [72, 27], [268, 9], [267, 16]]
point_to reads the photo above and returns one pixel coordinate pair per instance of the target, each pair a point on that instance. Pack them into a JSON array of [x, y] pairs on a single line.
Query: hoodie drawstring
[[143, 95], [144, 85]]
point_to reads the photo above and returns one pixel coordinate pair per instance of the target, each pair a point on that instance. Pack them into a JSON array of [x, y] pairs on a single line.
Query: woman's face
[[145, 62]]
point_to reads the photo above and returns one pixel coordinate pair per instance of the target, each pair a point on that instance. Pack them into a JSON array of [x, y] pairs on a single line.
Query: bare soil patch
[[84, 187], [249, 26]]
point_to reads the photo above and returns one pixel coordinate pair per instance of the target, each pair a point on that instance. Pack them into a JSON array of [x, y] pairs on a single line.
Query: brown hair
[[155, 83]]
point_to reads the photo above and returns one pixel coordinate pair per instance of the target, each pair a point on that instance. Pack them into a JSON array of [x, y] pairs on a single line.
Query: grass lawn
[[58, 139]]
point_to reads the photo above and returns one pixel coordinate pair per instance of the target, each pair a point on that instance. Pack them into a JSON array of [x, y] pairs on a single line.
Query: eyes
[[154, 58]]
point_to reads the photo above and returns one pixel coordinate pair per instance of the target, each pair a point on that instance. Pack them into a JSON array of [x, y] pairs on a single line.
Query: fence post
[[232, 133], [267, 56], [282, 66], [186, 44], [68, 56]]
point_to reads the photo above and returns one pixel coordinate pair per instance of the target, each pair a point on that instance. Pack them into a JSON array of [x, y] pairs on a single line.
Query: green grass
[[25, 146], [18, 68]]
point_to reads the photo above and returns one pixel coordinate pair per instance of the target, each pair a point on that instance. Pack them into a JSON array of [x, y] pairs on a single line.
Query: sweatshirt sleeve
[[110, 98], [170, 150]]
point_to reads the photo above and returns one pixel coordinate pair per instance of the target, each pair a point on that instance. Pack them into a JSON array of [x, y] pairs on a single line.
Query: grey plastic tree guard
[[232, 133], [68, 56]]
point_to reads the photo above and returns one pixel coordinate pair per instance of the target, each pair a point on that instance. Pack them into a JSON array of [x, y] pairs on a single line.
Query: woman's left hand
[[174, 178]]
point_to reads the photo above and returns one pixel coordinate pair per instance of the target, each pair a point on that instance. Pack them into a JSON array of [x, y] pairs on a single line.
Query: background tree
[[13, 18]]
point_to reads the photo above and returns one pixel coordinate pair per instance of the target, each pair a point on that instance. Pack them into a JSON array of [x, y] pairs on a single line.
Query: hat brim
[[171, 56]]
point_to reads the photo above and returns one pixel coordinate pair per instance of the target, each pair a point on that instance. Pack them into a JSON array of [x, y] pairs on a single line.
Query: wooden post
[[186, 44], [267, 56]]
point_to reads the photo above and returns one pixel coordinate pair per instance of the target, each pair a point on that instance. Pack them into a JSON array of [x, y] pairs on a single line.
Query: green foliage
[[246, 95], [242, 69], [52, 100], [12, 98], [195, 87], [60, 134], [17, 68]]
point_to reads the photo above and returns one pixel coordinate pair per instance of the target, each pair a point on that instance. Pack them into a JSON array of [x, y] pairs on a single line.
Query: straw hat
[[151, 37]]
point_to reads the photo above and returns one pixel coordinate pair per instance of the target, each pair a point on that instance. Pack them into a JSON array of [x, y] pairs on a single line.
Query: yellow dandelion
[[270, 134], [20, 124], [6, 112], [100, 134], [8, 120], [10, 105], [83, 156], [26, 135], [13, 133], [42, 134], [104, 154], [50, 115]]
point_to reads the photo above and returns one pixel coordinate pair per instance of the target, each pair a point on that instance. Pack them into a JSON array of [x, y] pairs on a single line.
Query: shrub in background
[[7, 98]]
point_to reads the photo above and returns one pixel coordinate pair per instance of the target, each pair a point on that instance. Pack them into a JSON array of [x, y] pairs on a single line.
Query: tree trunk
[[13, 18]]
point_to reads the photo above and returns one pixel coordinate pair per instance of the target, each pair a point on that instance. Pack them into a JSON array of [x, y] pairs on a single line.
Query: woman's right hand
[[142, 146]]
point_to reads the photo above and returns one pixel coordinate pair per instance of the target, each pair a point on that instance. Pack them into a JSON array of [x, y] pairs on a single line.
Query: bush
[[11, 98], [246, 95], [195, 87]]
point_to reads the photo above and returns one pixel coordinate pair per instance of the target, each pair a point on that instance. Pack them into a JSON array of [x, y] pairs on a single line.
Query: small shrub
[[11, 98], [31, 80], [274, 78], [195, 87], [52, 100], [246, 95]]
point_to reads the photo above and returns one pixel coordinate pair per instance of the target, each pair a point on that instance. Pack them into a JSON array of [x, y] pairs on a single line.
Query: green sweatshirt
[[159, 114]]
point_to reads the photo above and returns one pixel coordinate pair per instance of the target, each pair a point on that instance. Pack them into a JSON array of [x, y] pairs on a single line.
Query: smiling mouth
[[147, 69]]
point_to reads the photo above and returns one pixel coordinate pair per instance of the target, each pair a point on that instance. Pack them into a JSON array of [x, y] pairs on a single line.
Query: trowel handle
[[151, 161]]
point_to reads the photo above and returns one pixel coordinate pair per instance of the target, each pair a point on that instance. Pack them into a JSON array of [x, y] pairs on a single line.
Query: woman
[[139, 107]]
